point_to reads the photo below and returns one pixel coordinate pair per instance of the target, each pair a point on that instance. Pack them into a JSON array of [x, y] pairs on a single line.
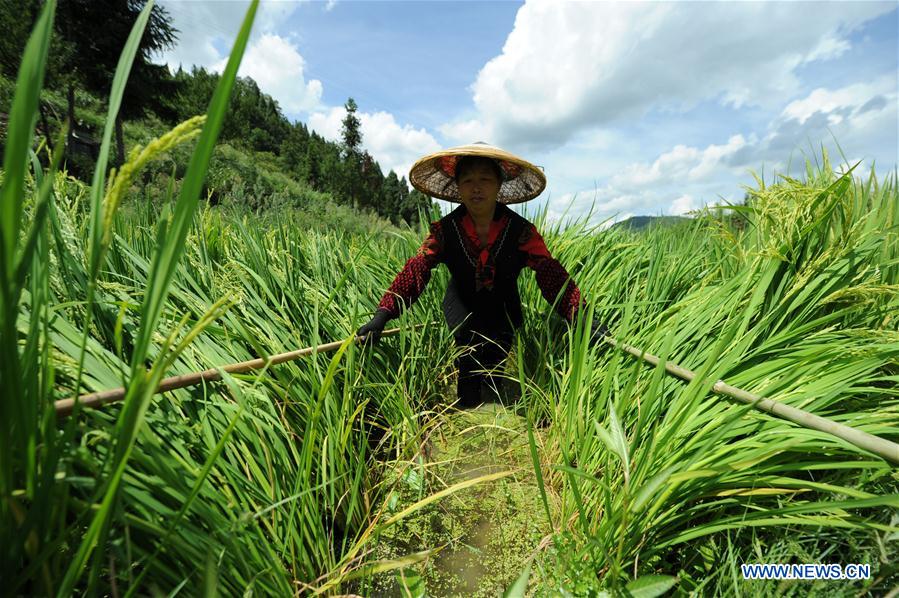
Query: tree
[[84, 57], [293, 150], [351, 129], [394, 193], [88, 58], [313, 163], [17, 19], [351, 180], [371, 183], [332, 173], [415, 201], [403, 199]]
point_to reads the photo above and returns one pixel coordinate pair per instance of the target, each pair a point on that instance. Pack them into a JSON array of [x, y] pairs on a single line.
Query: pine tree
[[94, 58], [350, 181], [294, 151], [415, 201], [392, 199], [312, 164], [351, 129]]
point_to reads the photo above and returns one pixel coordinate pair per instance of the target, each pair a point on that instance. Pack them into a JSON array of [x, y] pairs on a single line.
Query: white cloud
[[466, 131], [327, 124], [273, 61], [276, 64], [570, 65], [678, 181], [828, 48], [199, 27], [861, 117], [681, 164], [570, 87], [277, 67], [683, 204], [712, 158], [204, 26], [827, 100], [394, 146], [272, 14]]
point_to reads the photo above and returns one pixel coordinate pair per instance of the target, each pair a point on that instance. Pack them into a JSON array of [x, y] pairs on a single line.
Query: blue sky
[[630, 108]]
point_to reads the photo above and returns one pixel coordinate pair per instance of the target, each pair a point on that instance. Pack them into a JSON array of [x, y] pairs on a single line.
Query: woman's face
[[479, 187]]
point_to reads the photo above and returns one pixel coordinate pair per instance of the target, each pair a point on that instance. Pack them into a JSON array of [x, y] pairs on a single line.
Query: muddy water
[[488, 531]]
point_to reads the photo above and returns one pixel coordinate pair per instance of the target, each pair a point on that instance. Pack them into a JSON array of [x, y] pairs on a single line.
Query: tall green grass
[[270, 473], [657, 477], [272, 492], [263, 482]]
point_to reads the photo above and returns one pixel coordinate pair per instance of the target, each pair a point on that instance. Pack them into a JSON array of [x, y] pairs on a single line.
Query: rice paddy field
[[349, 472]]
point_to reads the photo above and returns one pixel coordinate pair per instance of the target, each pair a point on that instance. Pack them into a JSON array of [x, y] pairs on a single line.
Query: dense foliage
[[80, 69], [343, 170], [797, 304]]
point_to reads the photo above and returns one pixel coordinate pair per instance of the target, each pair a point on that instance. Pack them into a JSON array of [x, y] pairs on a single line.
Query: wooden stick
[[869, 442], [64, 407]]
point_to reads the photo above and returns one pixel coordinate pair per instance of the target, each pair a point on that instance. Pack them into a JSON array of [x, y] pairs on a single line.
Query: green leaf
[[142, 384], [411, 583], [403, 562], [538, 473], [413, 479], [445, 492], [210, 578], [22, 120], [166, 259], [606, 438], [520, 587], [650, 586], [618, 437], [41, 210]]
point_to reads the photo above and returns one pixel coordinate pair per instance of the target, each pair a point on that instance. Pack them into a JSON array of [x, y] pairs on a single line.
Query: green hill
[[263, 163], [643, 222]]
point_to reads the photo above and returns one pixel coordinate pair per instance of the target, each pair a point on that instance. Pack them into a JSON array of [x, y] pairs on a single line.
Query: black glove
[[373, 329], [598, 331]]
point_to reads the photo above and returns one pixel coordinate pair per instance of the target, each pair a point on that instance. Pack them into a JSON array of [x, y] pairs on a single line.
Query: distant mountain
[[641, 222]]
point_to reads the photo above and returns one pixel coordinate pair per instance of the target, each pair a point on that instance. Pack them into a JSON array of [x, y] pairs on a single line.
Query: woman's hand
[[598, 331], [373, 329]]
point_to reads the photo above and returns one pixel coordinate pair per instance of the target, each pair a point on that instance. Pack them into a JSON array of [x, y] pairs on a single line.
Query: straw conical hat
[[435, 174]]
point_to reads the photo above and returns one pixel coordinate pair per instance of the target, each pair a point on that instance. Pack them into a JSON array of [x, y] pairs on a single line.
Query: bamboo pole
[[64, 407], [869, 442]]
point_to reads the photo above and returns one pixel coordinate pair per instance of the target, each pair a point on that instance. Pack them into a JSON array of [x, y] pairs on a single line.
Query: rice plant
[[658, 477]]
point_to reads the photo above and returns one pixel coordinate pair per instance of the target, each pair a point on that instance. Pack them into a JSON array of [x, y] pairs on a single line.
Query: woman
[[485, 245]]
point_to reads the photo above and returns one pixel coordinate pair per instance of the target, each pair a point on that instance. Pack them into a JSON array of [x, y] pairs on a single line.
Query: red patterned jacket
[[485, 275]]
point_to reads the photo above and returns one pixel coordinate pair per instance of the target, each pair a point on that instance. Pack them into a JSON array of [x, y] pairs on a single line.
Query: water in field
[[489, 531]]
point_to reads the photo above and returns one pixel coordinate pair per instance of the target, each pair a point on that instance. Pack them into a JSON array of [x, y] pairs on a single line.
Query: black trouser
[[486, 340], [484, 351]]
